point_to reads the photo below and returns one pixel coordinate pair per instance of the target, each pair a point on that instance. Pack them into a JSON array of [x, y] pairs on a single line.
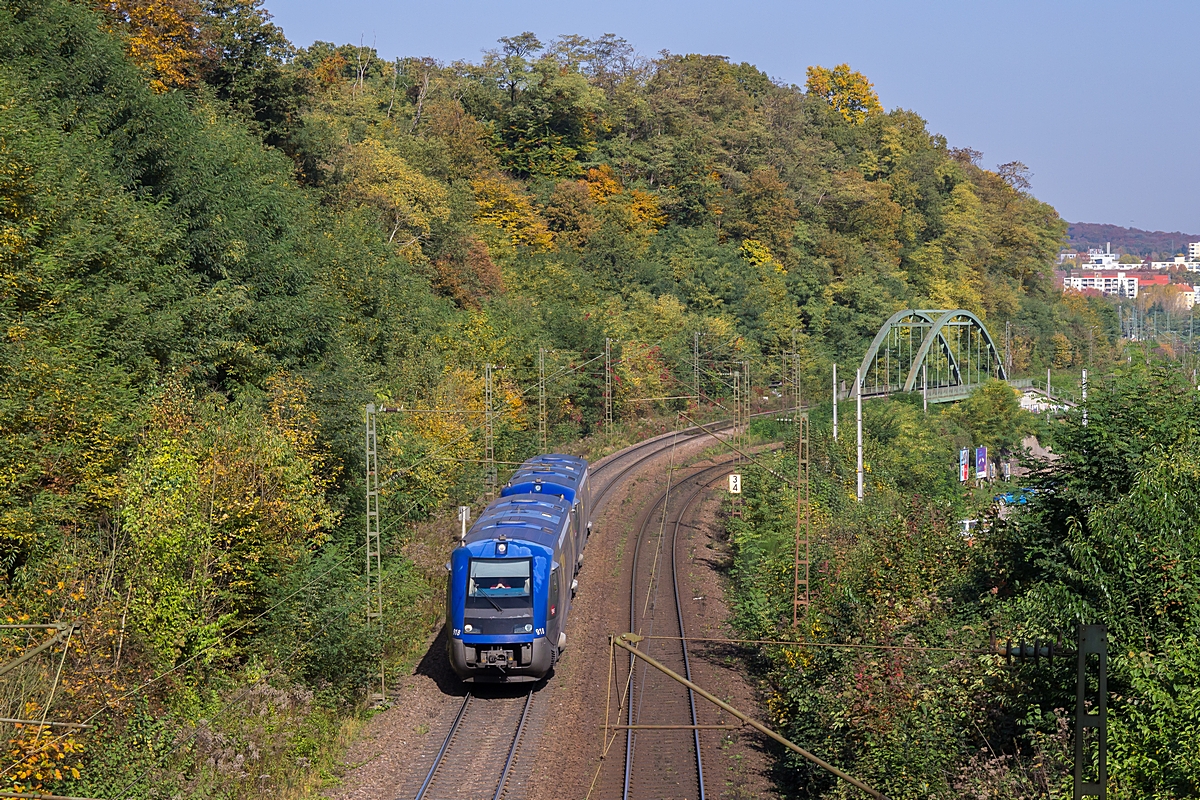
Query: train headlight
[[501, 548], [528, 628], [468, 628]]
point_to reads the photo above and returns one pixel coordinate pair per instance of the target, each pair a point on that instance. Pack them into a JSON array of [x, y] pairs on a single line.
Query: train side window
[[552, 610]]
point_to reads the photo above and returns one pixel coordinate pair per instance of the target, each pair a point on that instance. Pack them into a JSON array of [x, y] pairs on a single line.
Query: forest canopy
[[216, 247]]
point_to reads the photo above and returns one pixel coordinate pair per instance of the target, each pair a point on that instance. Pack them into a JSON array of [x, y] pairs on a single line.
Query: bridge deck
[[950, 394]]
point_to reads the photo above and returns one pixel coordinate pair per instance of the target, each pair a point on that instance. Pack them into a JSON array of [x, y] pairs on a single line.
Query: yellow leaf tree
[[164, 37], [848, 91], [407, 201], [503, 206]]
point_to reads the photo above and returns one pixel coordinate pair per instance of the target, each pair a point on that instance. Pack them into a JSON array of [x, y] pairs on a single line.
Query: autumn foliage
[[217, 248]]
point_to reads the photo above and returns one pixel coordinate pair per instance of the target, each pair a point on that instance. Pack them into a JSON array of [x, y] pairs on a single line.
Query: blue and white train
[[511, 581]]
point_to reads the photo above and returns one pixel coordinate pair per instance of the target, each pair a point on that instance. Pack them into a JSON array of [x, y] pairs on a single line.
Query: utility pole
[[800, 595], [696, 367], [542, 397], [858, 398], [1007, 347], [1047, 383], [835, 399], [1091, 712], [608, 416], [746, 396], [796, 377], [737, 403], [792, 365], [489, 442], [924, 389], [374, 558], [1084, 391]]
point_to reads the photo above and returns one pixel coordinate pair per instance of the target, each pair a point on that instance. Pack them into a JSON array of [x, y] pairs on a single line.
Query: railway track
[[646, 450], [467, 767], [670, 764]]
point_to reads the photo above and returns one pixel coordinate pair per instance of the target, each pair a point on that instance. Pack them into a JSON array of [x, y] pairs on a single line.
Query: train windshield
[[500, 578], [499, 596]]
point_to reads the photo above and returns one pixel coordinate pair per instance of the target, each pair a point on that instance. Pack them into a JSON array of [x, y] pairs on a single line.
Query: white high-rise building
[[1193, 251]]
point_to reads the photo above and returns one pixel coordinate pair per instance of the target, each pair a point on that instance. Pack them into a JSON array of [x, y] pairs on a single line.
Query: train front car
[[506, 606]]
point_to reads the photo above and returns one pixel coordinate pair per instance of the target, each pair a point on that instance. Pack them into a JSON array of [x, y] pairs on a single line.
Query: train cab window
[[495, 578], [499, 596], [552, 608]]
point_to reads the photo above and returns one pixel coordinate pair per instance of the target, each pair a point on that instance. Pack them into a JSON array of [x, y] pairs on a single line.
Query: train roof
[[537, 518], [563, 472]]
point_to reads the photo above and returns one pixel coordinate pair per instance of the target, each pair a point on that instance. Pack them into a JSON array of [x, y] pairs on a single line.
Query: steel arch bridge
[[946, 352]]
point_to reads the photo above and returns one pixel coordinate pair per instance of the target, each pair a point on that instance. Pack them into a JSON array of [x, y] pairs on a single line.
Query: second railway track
[[662, 753]]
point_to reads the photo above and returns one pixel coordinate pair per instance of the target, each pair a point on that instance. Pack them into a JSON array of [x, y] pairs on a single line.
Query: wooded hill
[[1134, 241], [215, 248]]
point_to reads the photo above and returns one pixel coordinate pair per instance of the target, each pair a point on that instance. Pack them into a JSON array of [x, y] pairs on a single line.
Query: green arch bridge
[[947, 353]]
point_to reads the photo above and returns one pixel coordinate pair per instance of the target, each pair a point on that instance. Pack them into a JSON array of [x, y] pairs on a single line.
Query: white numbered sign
[[735, 484]]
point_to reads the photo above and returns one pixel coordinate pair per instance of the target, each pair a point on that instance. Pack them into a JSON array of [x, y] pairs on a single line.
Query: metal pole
[[800, 595], [1084, 382], [737, 405], [489, 442], [794, 365], [608, 415], [747, 396], [1047, 383], [796, 373], [374, 543], [858, 405], [835, 399], [1091, 713], [924, 389], [1008, 346], [623, 641], [696, 366], [542, 397], [28, 654]]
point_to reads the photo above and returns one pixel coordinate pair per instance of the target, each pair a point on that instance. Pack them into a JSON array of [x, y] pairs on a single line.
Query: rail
[[488, 723], [702, 480]]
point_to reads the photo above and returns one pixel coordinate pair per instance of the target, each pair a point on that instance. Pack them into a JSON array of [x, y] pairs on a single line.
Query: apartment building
[[1121, 284]]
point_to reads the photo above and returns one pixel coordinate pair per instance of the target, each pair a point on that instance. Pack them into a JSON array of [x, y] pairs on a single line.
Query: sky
[[1099, 99]]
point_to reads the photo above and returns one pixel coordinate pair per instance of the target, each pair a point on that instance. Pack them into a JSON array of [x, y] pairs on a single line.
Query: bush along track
[[894, 682]]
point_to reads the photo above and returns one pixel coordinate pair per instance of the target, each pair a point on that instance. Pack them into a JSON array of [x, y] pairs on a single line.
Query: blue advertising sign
[[981, 467], [964, 464]]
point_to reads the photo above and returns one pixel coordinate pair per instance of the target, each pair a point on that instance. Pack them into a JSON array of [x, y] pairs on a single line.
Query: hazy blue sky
[[1098, 98]]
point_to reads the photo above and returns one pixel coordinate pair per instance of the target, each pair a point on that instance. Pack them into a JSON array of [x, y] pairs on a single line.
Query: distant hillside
[[1133, 241]]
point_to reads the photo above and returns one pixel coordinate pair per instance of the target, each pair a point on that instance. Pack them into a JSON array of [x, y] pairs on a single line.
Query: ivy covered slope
[[216, 248]]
